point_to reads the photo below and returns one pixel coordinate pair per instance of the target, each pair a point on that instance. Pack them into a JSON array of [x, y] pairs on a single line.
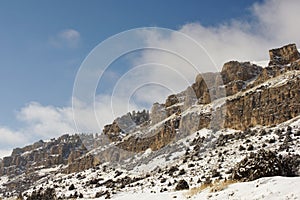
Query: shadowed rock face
[[284, 55], [201, 88]]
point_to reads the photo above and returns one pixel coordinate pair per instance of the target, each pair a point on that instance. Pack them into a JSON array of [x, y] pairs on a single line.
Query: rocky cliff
[[254, 96], [61, 151], [124, 124], [241, 96], [268, 105]]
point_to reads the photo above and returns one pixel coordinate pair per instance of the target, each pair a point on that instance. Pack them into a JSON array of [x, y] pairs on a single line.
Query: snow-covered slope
[[275, 188], [204, 167]]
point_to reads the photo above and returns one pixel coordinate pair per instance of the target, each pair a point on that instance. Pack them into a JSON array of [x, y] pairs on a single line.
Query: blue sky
[[33, 69], [43, 43]]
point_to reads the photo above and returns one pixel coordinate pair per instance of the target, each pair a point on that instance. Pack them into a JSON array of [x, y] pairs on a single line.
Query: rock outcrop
[[43, 155], [158, 113], [201, 89], [235, 75], [236, 71], [274, 71], [112, 131], [171, 100], [265, 106], [284, 55], [124, 124], [161, 138]]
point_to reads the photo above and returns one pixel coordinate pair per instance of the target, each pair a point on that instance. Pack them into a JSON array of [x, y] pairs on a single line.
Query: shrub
[[48, 194], [182, 185], [265, 164]]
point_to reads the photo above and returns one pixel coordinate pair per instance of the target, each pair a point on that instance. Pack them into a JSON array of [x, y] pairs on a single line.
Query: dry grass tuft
[[197, 190], [216, 186], [221, 185]]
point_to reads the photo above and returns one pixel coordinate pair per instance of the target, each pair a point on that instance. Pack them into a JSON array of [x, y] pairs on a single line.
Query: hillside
[[233, 134]]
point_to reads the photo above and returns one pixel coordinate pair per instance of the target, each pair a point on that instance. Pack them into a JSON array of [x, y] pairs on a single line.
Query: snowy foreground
[[263, 188]]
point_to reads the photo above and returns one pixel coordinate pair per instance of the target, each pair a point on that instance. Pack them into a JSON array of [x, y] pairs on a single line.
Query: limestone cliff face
[[201, 88], [284, 55], [127, 147], [42, 155], [235, 75], [161, 138], [124, 124], [274, 71], [158, 113], [81, 163], [236, 71], [267, 106], [249, 102]]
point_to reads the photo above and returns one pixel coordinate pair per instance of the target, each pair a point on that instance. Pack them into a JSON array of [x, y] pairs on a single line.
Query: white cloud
[[10, 139], [277, 20], [70, 34], [66, 38], [46, 121], [273, 23]]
